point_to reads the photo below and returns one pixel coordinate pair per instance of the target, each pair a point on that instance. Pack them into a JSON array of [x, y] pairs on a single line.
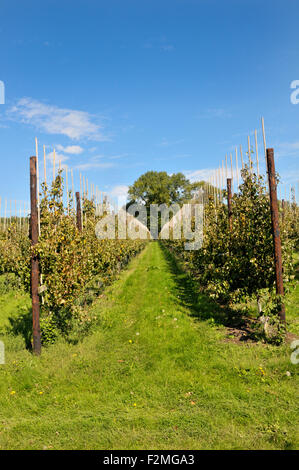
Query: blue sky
[[120, 87]]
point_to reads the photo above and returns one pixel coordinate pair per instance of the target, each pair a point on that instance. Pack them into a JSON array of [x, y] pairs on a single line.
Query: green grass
[[292, 301], [12, 306], [157, 373]]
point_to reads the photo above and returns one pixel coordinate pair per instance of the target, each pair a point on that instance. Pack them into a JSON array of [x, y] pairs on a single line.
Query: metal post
[[34, 258], [79, 217], [275, 231], [229, 203]]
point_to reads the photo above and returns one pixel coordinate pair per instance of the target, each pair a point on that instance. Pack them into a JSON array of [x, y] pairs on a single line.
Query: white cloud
[[93, 165], [120, 190], [121, 194], [70, 149], [99, 161], [199, 175], [54, 120], [58, 157], [206, 173]]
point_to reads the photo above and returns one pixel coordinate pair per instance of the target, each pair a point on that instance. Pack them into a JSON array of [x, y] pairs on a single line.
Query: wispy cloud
[[290, 174], [97, 161], [59, 157], [287, 149], [214, 113], [70, 149], [94, 165], [117, 157], [167, 48], [199, 175], [167, 143], [289, 177], [159, 42], [172, 157], [54, 120], [206, 173]]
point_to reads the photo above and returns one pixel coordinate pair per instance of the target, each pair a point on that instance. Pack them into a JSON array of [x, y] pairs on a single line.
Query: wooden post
[[229, 203], [60, 182], [241, 153], [45, 167], [34, 259], [264, 140], [237, 169], [5, 214], [82, 198], [79, 217], [67, 189], [232, 173], [275, 231], [73, 191], [257, 154], [37, 182], [54, 164], [226, 175], [249, 155], [20, 220]]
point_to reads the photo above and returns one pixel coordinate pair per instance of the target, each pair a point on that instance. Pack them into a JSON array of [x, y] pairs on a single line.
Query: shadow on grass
[[200, 305], [21, 324]]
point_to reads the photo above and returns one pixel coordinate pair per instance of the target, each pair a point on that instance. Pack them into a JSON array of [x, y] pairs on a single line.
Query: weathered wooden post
[[34, 258], [276, 231], [79, 216], [229, 203]]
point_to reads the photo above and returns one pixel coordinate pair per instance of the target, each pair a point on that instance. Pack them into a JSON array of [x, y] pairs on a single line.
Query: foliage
[[15, 253], [69, 259], [290, 222], [156, 187], [238, 264]]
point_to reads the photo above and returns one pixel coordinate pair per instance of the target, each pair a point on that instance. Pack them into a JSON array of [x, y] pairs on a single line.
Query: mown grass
[[156, 373], [292, 301]]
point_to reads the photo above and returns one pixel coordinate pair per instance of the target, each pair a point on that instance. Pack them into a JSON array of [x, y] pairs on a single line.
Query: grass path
[[151, 376]]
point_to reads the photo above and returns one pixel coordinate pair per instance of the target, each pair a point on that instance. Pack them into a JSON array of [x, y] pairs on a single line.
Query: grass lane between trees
[[156, 373]]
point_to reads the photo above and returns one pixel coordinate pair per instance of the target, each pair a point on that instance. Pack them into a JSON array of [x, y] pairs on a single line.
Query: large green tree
[[157, 187]]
